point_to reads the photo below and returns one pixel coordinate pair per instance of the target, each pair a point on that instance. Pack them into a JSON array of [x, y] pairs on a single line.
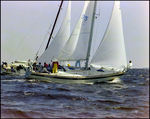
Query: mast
[[90, 39], [54, 25]]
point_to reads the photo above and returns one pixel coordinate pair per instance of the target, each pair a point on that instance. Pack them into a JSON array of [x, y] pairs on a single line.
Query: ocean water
[[125, 97]]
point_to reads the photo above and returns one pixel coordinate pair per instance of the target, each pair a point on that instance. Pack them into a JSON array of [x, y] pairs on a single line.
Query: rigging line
[[38, 20], [28, 33], [96, 29], [43, 40]]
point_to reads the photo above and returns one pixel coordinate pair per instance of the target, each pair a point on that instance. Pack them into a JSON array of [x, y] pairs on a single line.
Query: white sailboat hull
[[74, 77]]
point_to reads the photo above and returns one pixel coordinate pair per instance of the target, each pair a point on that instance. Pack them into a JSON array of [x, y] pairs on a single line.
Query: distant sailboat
[[109, 60]]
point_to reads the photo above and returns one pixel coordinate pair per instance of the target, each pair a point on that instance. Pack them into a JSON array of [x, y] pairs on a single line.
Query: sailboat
[[108, 62]]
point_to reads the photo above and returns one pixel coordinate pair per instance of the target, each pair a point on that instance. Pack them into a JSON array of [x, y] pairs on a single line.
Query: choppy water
[[127, 97]]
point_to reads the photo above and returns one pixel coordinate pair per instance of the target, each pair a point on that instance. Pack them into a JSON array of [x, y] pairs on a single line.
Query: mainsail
[[77, 45], [111, 51], [60, 39]]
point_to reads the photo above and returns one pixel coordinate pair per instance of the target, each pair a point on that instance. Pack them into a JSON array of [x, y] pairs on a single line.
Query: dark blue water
[[127, 97]]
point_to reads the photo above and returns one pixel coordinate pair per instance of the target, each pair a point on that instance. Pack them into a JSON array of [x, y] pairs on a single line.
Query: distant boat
[[109, 60], [20, 68]]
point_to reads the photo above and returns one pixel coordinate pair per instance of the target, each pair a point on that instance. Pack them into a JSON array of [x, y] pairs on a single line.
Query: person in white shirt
[[130, 65], [45, 70], [30, 65], [40, 68]]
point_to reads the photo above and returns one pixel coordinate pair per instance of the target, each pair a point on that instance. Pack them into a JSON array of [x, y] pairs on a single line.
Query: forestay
[[111, 51]]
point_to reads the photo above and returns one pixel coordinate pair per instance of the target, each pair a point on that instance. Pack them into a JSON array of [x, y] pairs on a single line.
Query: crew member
[[77, 62], [55, 65], [30, 65], [130, 65]]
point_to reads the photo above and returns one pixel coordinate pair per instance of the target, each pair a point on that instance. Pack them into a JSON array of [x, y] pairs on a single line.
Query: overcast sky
[[25, 26]]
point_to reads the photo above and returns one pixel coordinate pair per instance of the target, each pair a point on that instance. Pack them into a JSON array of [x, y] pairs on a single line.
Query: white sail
[[76, 46], [111, 51], [60, 39]]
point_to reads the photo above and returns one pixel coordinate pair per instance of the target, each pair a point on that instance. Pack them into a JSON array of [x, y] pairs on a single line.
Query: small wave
[[115, 80], [143, 84], [63, 89], [62, 96], [13, 103], [15, 113], [38, 95], [147, 79], [6, 77], [13, 80], [39, 80], [90, 83], [12, 77], [109, 101], [32, 80], [28, 93], [86, 114], [122, 108]]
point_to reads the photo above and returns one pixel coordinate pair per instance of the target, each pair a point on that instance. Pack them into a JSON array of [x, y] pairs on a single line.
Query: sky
[[25, 26]]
